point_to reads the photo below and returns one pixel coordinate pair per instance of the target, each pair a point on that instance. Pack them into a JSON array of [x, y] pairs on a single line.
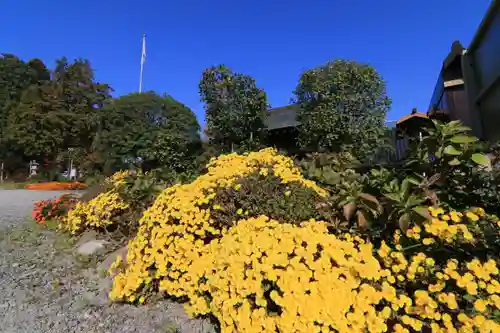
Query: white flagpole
[[143, 60]]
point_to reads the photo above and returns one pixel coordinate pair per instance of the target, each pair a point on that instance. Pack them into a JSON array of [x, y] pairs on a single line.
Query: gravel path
[[46, 288], [16, 205]]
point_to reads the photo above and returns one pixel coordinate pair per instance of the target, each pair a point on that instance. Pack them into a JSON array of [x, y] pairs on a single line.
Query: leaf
[[463, 129], [349, 209], [462, 138], [454, 162], [374, 200], [433, 179], [369, 197], [469, 298], [404, 222], [412, 180], [362, 222], [481, 159], [450, 150], [392, 196], [422, 211], [413, 200]]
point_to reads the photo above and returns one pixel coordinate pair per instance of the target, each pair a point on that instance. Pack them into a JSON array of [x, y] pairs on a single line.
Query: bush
[[268, 276], [210, 244], [449, 267], [100, 212], [263, 193], [57, 209], [115, 205], [182, 222]]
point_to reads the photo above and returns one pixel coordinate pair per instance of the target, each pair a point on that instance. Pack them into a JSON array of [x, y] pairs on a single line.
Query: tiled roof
[[282, 117], [412, 116]]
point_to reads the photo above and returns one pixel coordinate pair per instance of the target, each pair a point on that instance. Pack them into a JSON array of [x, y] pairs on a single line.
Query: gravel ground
[[15, 205], [45, 287]]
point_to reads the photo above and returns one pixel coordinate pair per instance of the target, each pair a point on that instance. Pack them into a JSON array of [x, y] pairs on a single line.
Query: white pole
[[143, 59]]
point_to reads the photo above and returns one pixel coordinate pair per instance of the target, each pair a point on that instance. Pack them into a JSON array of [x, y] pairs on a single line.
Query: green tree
[[148, 130], [44, 114], [37, 125], [343, 105], [16, 76], [235, 109], [82, 98]]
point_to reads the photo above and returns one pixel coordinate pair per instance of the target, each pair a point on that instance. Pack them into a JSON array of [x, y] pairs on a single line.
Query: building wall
[[481, 64]]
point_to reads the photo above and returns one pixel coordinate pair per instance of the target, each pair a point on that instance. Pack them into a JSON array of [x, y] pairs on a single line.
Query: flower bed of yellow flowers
[[261, 275], [98, 212]]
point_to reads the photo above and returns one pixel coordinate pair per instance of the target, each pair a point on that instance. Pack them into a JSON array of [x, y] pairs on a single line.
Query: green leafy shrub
[[349, 201], [256, 195], [448, 168], [454, 166]]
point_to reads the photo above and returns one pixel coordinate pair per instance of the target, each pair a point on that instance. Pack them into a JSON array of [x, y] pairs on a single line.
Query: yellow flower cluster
[[118, 177], [96, 213], [174, 232], [442, 305], [449, 228], [99, 211], [313, 281], [266, 276]]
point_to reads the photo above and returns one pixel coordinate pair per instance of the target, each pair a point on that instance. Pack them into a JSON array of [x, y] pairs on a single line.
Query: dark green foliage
[[82, 98], [67, 115], [42, 116], [235, 109], [404, 204], [38, 124], [140, 189], [256, 195], [343, 105], [15, 77], [447, 168], [149, 131], [454, 168], [334, 173]]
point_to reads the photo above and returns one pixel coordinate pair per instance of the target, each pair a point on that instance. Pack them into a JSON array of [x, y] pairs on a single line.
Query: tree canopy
[[343, 105], [235, 109], [50, 116], [149, 130], [15, 77]]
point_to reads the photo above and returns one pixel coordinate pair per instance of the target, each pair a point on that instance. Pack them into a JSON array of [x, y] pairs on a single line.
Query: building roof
[[411, 116], [285, 117], [282, 117]]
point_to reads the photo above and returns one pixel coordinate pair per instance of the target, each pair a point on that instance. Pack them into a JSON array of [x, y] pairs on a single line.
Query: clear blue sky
[[274, 40]]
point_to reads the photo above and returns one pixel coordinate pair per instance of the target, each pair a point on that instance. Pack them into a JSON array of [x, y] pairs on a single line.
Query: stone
[[87, 236], [110, 258], [91, 247]]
